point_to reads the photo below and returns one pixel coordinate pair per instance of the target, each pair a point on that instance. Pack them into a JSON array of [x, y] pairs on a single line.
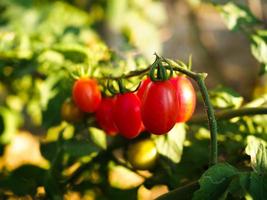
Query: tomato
[[86, 94], [70, 112], [142, 154], [127, 115], [186, 97], [104, 116], [159, 108], [141, 89]]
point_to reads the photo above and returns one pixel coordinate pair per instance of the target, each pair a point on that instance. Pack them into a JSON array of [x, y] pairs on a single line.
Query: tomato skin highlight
[[70, 112], [186, 97], [127, 115], [159, 108], [104, 116], [86, 94], [143, 86]]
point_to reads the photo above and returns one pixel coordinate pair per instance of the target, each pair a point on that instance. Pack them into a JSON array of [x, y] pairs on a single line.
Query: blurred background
[[41, 39]]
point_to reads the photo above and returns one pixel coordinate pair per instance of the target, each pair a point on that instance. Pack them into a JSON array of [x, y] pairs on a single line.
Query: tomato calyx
[[158, 71], [122, 88]]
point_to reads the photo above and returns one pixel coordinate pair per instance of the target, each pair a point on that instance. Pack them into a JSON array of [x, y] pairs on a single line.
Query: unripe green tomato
[[142, 154], [70, 112]]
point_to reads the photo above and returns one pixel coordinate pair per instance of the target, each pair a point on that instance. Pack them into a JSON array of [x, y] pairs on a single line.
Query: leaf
[[78, 149], [48, 150], [24, 180], [215, 181], [9, 122], [258, 186], [239, 185], [171, 144], [123, 178], [223, 97], [74, 52], [259, 48], [99, 137], [237, 16], [53, 94], [72, 148], [52, 187], [257, 151]]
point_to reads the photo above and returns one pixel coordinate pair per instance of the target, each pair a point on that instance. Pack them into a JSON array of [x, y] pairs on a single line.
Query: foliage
[[43, 46]]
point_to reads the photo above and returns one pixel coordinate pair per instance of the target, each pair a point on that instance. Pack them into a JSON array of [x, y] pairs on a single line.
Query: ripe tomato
[[104, 116], [127, 115], [159, 107], [186, 97], [142, 154], [141, 89], [86, 94], [70, 112]]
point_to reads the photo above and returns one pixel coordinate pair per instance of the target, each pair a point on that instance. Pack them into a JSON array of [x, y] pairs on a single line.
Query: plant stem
[[211, 120], [229, 114], [199, 78], [185, 191], [129, 75]]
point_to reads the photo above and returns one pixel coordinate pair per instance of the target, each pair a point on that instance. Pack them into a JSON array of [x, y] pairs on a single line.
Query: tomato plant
[[142, 154], [127, 115], [159, 107], [86, 94], [42, 46], [186, 97], [70, 112], [104, 115]]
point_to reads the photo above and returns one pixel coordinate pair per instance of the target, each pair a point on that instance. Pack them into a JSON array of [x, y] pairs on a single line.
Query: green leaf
[[259, 48], [48, 150], [258, 186], [223, 97], [99, 137], [236, 16], [53, 94], [171, 144], [9, 122], [52, 187], [74, 52], [24, 180], [215, 181], [72, 148], [76, 148], [239, 185], [257, 150]]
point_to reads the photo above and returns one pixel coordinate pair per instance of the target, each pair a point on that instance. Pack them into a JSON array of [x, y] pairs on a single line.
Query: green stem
[[211, 120], [229, 114], [129, 75], [186, 192], [199, 78]]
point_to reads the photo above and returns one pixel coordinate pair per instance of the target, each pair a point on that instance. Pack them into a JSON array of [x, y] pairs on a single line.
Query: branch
[[229, 114], [129, 75]]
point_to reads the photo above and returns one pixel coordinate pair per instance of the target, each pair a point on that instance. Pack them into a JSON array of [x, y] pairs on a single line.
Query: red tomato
[[127, 115], [141, 89], [186, 97], [86, 94], [159, 107], [104, 116]]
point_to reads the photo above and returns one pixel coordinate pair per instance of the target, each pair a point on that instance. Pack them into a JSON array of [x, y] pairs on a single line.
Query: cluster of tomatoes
[[155, 107]]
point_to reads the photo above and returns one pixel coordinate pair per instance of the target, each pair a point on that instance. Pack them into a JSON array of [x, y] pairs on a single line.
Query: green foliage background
[[41, 43]]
